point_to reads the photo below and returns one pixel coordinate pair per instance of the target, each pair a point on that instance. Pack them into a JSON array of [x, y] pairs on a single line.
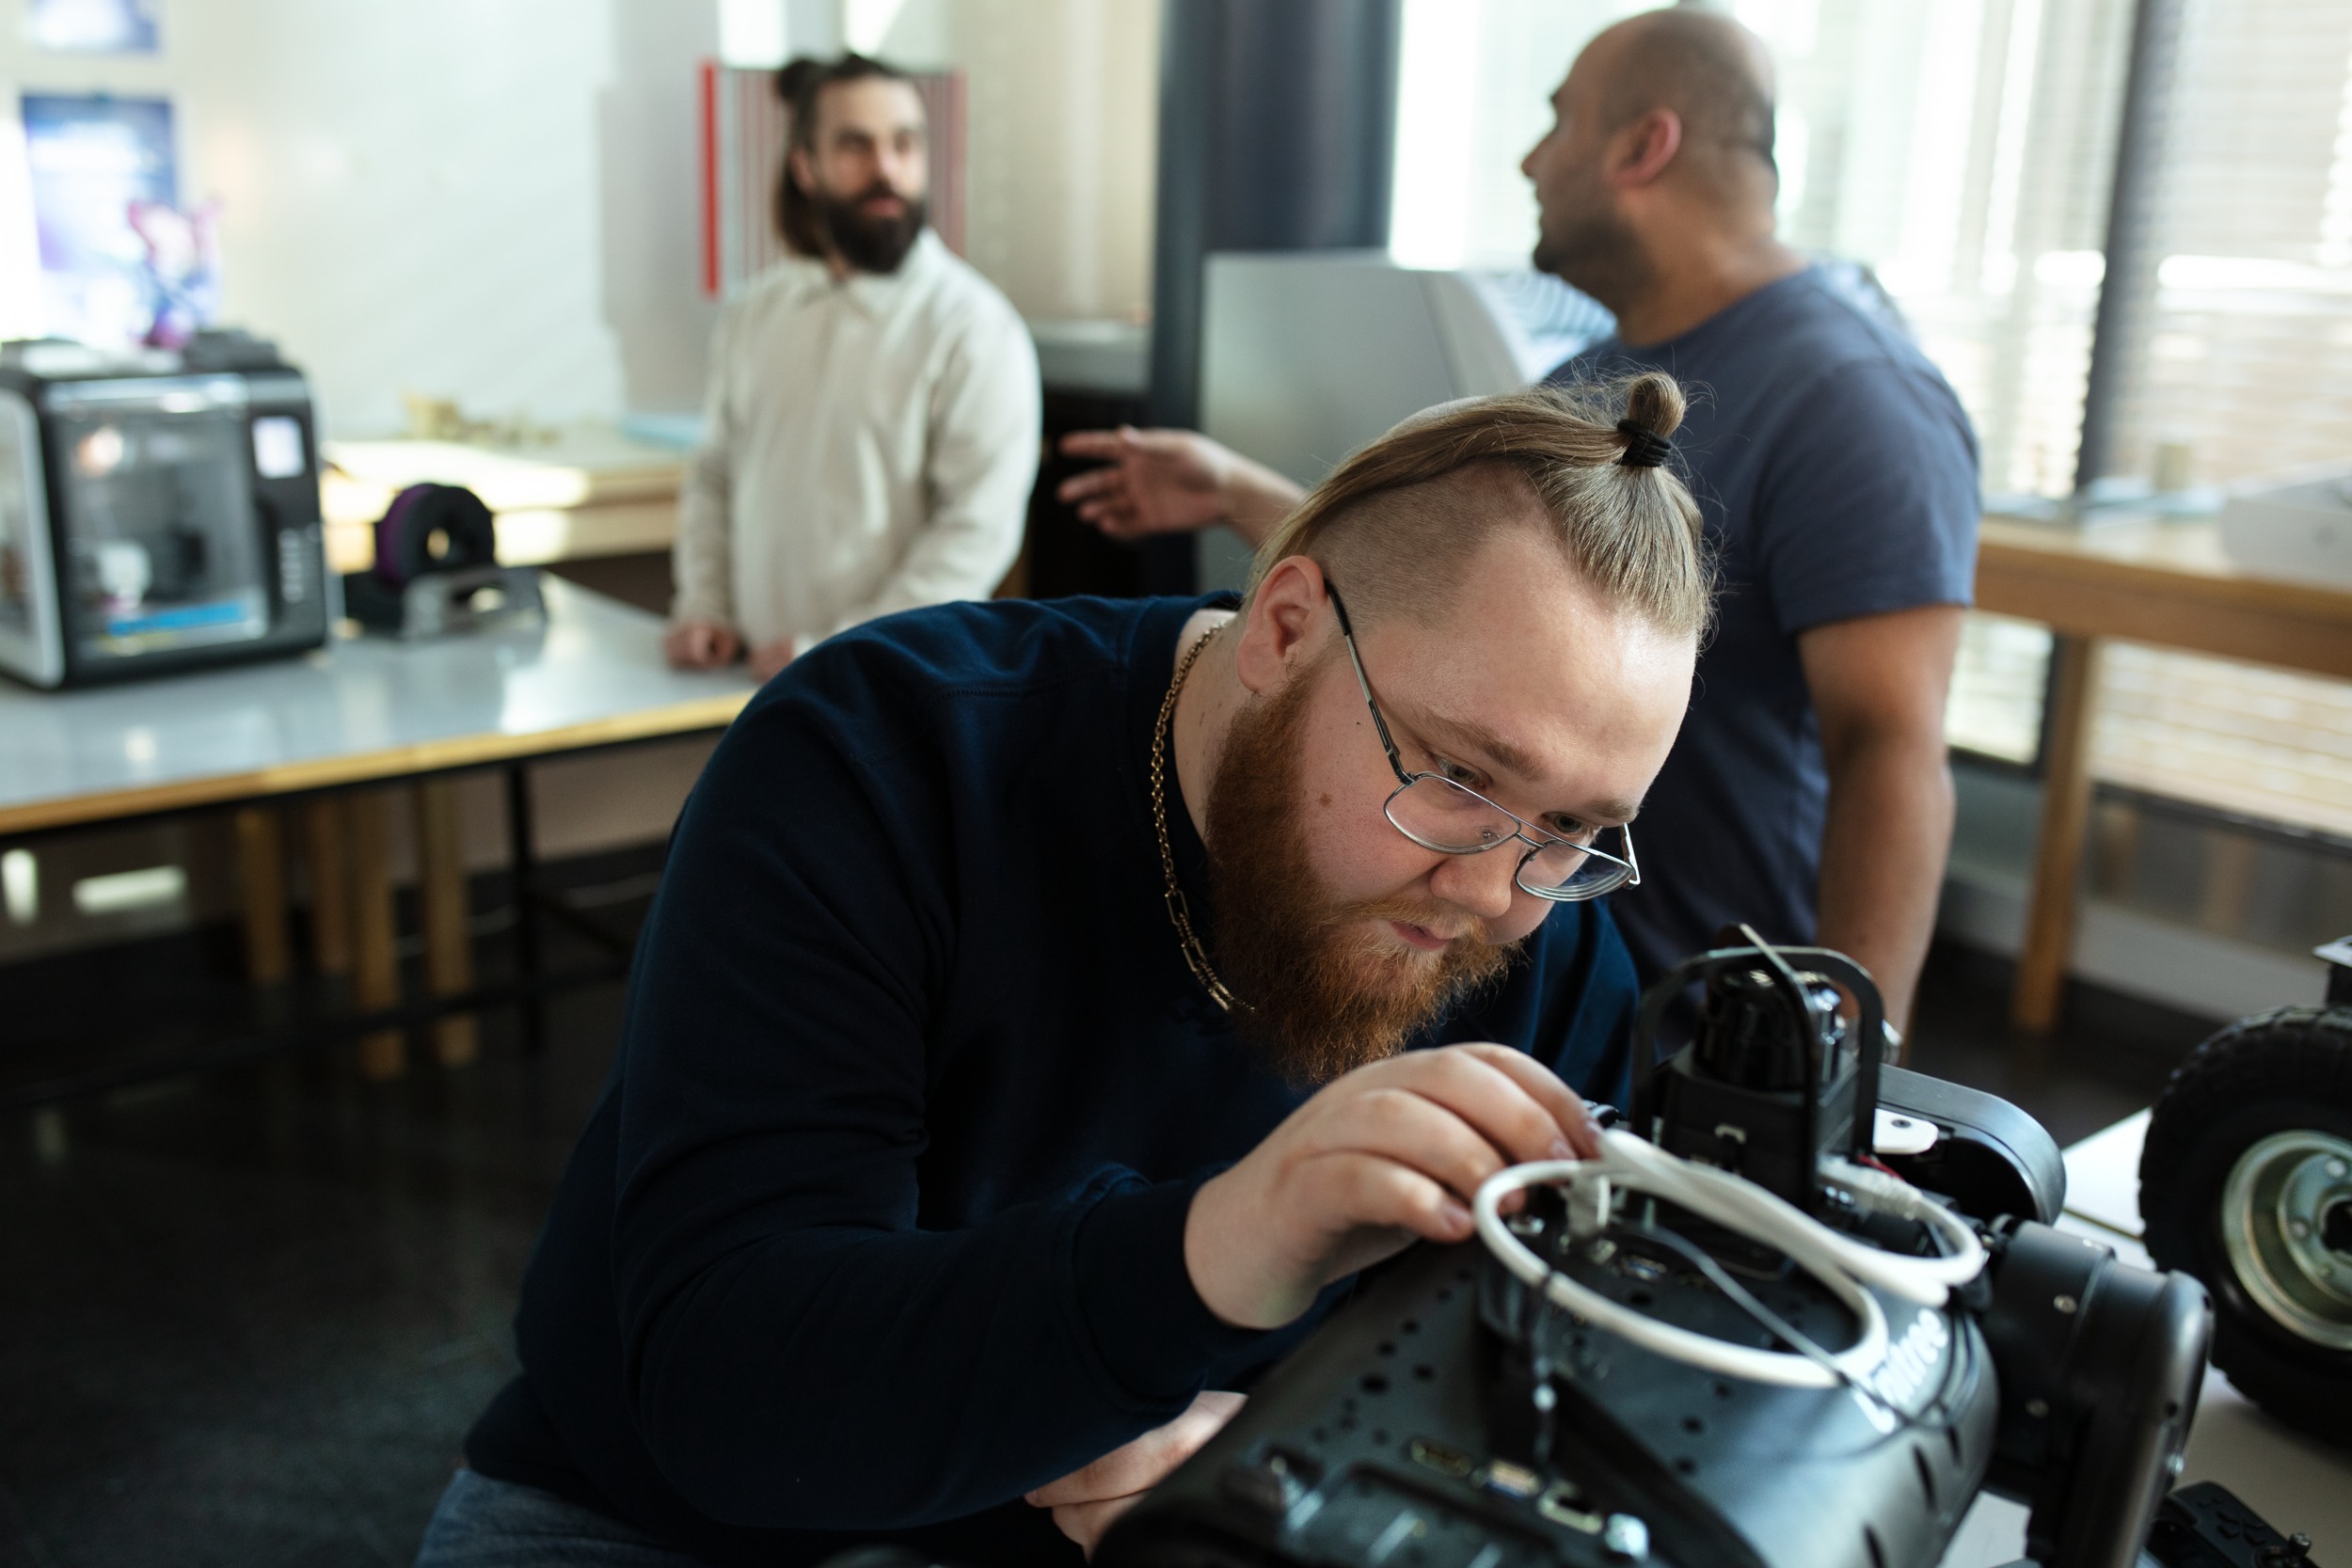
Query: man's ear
[[1640, 151], [796, 161], [1285, 622]]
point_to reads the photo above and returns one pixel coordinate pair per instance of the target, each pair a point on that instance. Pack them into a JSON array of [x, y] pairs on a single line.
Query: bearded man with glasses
[[1048, 1008]]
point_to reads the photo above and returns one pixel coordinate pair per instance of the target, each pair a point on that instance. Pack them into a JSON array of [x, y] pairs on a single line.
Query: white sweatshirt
[[870, 447]]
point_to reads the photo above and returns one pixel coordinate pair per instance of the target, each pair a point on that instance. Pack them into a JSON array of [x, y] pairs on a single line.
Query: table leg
[[523, 860], [2229, 881], [330, 884], [261, 870], [2058, 849], [375, 966], [442, 907]]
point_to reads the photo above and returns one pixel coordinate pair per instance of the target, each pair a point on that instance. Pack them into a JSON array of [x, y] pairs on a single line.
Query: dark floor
[[2106, 1061], [245, 1318]]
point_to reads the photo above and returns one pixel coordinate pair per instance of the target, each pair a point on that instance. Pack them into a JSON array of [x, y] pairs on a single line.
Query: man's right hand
[[1152, 481], [1172, 482], [1389, 1152], [700, 645]]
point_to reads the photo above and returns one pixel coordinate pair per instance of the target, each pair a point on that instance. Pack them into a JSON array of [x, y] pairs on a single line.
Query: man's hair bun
[[1401, 520], [1654, 401]]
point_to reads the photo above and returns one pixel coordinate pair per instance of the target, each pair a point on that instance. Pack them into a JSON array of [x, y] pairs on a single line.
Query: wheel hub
[[2335, 1228], [2286, 1222]]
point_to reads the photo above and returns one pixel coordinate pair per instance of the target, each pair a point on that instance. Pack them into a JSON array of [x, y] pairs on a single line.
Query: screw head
[[2066, 1305], [2037, 1408], [1624, 1536], [2337, 1169]]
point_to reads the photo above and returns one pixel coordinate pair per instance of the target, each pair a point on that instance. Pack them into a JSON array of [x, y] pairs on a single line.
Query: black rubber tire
[[2278, 1072]]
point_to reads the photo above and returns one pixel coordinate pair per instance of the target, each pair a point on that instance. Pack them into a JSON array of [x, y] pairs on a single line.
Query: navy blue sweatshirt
[[878, 1222]]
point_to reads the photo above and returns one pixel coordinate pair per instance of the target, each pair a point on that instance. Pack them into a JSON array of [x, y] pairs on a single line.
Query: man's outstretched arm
[[1172, 481], [1879, 684]]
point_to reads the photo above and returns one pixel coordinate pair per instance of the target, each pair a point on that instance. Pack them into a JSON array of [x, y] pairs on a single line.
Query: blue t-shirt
[[879, 1222], [1838, 476]]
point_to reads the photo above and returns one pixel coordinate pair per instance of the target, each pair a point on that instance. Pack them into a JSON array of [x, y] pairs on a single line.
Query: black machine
[[1801, 1311], [159, 510]]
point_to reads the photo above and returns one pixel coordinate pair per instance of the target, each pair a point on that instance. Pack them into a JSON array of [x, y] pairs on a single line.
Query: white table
[[362, 712], [2296, 1483], [362, 709]]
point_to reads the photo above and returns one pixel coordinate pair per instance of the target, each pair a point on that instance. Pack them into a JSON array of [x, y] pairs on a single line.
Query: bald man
[[1809, 792]]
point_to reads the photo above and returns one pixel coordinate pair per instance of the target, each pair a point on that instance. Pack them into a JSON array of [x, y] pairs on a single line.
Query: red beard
[[1324, 991]]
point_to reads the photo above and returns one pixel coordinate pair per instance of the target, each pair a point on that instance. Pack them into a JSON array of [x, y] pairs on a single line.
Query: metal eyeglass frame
[[1628, 869]]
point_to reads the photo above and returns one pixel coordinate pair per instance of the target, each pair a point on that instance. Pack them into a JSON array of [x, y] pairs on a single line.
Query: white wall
[[1064, 139], [648, 141], [1065, 143], [490, 199]]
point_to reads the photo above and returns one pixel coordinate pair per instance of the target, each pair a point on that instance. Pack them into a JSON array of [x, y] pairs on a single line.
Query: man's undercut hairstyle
[[800, 83], [1712, 73], [1399, 523]]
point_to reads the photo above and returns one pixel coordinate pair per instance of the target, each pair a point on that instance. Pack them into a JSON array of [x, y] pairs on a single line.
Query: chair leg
[[329, 856], [2049, 943], [261, 870], [442, 901], [376, 959]]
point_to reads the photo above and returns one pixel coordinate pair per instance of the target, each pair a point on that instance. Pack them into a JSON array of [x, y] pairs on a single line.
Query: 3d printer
[[159, 510], [1803, 1308]]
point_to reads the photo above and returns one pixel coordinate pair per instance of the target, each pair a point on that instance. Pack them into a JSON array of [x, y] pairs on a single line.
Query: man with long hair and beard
[[1048, 1008], [873, 410]]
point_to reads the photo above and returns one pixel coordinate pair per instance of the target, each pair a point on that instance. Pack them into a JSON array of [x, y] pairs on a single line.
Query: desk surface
[[358, 710], [590, 491], [2296, 1483], [584, 465], [2166, 583]]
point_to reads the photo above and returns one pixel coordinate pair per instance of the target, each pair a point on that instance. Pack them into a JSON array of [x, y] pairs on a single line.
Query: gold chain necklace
[[1196, 957]]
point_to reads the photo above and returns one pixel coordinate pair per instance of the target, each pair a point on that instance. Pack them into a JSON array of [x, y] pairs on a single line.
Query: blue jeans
[[482, 1523]]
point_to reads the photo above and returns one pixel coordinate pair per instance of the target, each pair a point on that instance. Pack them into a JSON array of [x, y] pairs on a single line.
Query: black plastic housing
[[1387, 1420], [2100, 1367], [1452, 1417], [1989, 1157]]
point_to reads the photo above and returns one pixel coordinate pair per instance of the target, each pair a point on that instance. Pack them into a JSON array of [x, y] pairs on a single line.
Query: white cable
[[1925, 1280], [1680, 1344], [1841, 1264]]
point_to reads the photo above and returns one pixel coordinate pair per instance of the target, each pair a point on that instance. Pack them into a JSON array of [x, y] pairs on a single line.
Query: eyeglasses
[[1453, 819]]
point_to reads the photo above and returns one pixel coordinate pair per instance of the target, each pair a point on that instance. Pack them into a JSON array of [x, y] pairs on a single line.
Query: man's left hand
[[1085, 1502], [770, 656]]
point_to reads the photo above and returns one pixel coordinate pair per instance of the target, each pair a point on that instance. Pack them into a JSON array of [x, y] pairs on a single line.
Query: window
[[1963, 150], [2247, 356]]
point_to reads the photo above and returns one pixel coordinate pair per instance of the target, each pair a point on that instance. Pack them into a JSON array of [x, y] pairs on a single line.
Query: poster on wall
[[95, 165], [96, 26]]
